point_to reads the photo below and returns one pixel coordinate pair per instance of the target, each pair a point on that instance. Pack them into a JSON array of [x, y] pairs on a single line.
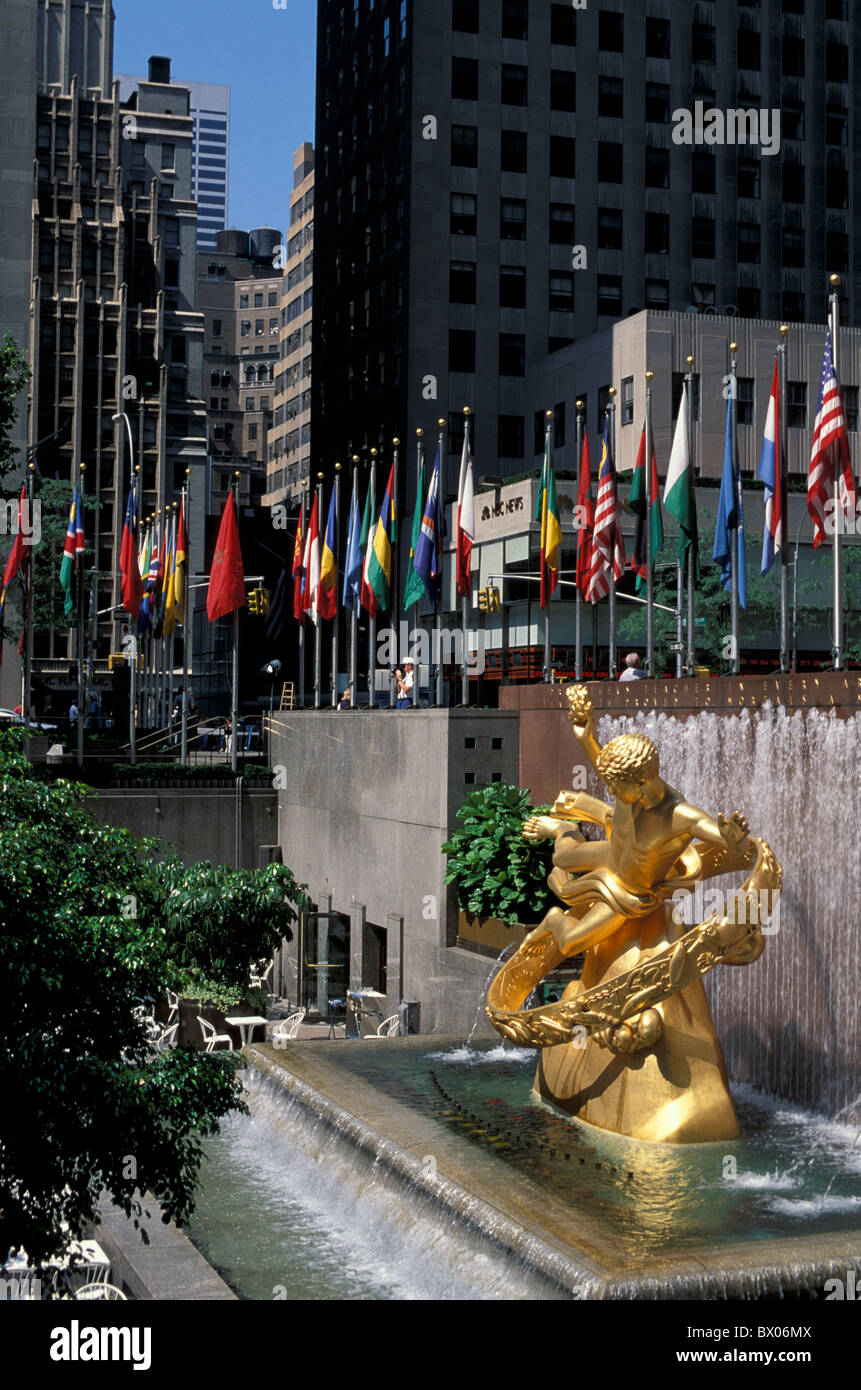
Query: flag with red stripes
[[607, 533], [830, 454], [585, 521]]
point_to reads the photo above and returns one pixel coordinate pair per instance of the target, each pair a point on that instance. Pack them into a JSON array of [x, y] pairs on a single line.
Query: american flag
[[607, 531], [830, 446]]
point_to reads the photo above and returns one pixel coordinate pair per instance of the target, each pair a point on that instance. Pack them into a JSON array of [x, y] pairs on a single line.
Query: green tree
[[497, 872], [14, 378], [88, 1105]]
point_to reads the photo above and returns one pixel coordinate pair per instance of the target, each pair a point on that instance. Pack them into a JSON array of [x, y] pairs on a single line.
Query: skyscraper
[[289, 450], [209, 108], [497, 179]]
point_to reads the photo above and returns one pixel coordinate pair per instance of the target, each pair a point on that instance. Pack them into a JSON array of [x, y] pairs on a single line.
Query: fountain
[[422, 1168]]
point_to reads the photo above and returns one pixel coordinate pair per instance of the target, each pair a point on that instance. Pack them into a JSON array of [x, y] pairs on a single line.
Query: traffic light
[[258, 602], [494, 601], [482, 600]]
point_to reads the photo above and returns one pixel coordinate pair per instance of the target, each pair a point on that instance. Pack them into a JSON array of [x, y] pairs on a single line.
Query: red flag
[[298, 572], [585, 521], [312, 565], [129, 568], [16, 555], [227, 580]]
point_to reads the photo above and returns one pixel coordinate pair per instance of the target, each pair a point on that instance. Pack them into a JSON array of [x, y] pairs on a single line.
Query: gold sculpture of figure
[[631, 1046]]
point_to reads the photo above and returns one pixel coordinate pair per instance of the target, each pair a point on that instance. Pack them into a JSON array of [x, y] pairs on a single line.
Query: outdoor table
[[244, 1023], [83, 1258]]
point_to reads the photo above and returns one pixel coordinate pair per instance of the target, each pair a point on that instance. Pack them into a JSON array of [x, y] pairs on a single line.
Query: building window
[[747, 301], [657, 168], [610, 96], [514, 85], [793, 121], [792, 306], [609, 162], [216, 328], [850, 407], [562, 224], [657, 236], [793, 246], [703, 238], [512, 219], [563, 25], [609, 229], [513, 151], [258, 328], [464, 16], [463, 214], [747, 178], [258, 301], [515, 19], [252, 432], [702, 173], [657, 103], [245, 328], [610, 32], [836, 251], [563, 91], [836, 62], [512, 287], [177, 348], [836, 125], [461, 282], [796, 397], [461, 350], [561, 292], [657, 38], [793, 183], [243, 298], [512, 354], [627, 411], [744, 400], [562, 149], [836, 188], [249, 403], [512, 444], [464, 146], [609, 294], [464, 79], [793, 56], [168, 156]]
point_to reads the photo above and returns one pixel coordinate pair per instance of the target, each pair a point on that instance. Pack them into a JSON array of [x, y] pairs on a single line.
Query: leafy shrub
[[497, 872]]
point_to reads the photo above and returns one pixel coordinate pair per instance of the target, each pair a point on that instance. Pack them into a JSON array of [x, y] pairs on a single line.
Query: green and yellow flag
[[547, 512]]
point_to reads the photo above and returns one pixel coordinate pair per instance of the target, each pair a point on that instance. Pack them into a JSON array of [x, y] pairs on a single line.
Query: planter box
[[488, 933]]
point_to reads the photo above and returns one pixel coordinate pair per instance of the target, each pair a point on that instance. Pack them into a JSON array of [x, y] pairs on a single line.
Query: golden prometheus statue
[[631, 1046]]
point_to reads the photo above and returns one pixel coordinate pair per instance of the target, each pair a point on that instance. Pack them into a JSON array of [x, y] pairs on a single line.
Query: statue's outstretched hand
[[734, 830], [580, 712]]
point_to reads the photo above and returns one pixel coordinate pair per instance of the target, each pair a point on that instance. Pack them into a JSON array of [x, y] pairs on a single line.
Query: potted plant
[[501, 878]]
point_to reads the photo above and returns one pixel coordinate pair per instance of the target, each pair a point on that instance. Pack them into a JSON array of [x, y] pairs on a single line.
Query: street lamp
[[272, 669]]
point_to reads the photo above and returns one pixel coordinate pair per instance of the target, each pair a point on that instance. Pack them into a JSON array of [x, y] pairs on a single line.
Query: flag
[[730, 516], [311, 565], [830, 446], [547, 512], [180, 563], [428, 561], [227, 577], [298, 572], [465, 520], [415, 586], [366, 543], [158, 566], [75, 546], [585, 521], [379, 564], [17, 555], [770, 472], [678, 488], [327, 598], [351, 596], [637, 505], [146, 605], [607, 532], [169, 583], [131, 578]]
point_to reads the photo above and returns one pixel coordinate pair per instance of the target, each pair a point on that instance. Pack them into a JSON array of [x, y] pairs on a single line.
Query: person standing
[[632, 671], [405, 684]]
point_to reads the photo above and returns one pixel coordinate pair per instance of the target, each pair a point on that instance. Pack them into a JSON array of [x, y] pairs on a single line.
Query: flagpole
[[735, 656], [578, 597], [28, 638], [680, 629], [650, 559], [335, 624], [692, 650], [318, 642], [234, 696], [548, 649], [420, 458], [465, 598], [784, 502], [394, 588], [186, 632], [171, 645], [834, 281], [79, 523], [301, 671], [441, 424], [611, 431], [355, 605], [133, 644], [372, 622]]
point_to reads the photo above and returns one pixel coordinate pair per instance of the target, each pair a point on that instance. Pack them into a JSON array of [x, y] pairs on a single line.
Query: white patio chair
[[210, 1037], [87, 1292], [259, 977], [173, 1002], [287, 1029], [387, 1029], [166, 1040]]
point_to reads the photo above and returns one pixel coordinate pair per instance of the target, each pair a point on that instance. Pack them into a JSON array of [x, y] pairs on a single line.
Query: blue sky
[[265, 55]]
